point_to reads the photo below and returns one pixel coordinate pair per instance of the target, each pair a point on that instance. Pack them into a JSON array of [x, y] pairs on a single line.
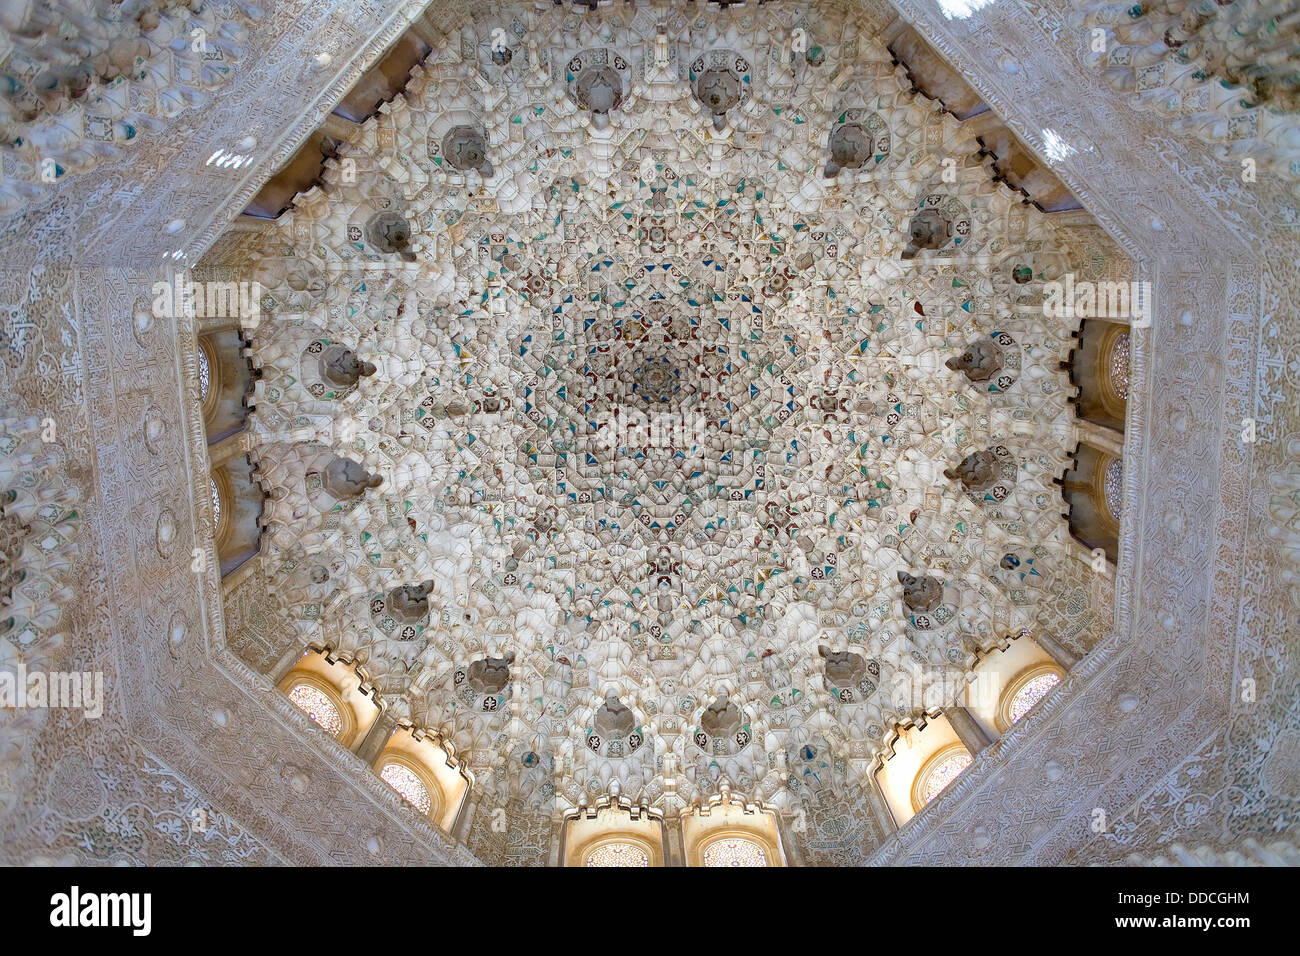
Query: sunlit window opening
[[617, 854], [317, 705], [1035, 689], [734, 851], [407, 784], [205, 375], [942, 773]]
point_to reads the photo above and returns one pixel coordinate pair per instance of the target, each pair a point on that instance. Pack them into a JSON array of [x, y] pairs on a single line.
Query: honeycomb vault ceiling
[[661, 405]]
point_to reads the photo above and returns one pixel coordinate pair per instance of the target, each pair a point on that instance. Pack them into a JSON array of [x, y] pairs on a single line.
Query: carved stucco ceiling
[[1206, 593], [661, 406]]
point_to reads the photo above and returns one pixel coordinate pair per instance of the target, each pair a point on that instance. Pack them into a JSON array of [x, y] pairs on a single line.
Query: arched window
[[734, 851], [920, 757], [1112, 483], [216, 504], [617, 853], [406, 782], [939, 771], [205, 373], [335, 693], [225, 380], [423, 768], [1012, 678], [223, 511], [1093, 489], [1030, 694], [613, 833], [237, 503], [1025, 690], [316, 704], [727, 830], [1099, 367], [1117, 366]]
